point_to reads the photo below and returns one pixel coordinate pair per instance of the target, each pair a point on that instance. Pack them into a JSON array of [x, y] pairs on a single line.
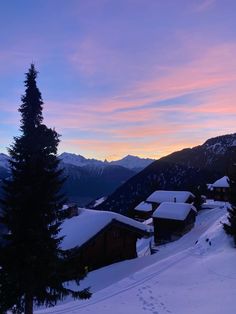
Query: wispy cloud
[[203, 5]]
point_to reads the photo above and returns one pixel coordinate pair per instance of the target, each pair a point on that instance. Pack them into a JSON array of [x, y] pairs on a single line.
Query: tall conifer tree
[[31, 262]]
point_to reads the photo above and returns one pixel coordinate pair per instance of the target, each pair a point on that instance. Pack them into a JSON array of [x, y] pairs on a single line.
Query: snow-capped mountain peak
[[129, 161], [133, 162], [78, 160], [220, 144]]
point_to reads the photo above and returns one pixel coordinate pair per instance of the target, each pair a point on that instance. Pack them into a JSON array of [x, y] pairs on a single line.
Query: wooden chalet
[[219, 190], [99, 238], [143, 211], [172, 220], [160, 196]]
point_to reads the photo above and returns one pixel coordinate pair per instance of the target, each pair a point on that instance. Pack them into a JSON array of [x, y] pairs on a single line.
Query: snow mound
[[214, 240]]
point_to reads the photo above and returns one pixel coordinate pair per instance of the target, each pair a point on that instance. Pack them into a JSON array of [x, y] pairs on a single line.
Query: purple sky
[[141, 77]]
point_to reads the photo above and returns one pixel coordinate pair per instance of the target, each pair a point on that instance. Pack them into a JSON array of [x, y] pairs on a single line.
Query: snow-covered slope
[[195, 274], [220, 144], [4, 161]]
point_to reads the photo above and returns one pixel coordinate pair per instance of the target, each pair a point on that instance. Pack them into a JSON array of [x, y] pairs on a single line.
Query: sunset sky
[[118, 77]]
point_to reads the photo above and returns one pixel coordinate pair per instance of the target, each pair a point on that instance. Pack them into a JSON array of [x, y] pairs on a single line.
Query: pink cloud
[[92, 57], [121, 118], [210, 78], [212, 69], [203, 5]]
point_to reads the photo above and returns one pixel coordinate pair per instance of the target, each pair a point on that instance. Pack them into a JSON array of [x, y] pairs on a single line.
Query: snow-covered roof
[[221, 183], [144, 207], [79, 229], [176, 211], [169, 196]]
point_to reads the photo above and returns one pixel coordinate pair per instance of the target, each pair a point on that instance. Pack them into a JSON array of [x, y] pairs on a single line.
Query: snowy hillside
[[185, 169], [219, 145], [195, 274]]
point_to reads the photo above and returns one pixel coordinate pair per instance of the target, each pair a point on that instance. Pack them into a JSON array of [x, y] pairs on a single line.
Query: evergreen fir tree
[[31, 262], [230, 227]]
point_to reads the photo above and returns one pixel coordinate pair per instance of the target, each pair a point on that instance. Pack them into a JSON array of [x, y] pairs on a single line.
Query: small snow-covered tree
[[31, 261]]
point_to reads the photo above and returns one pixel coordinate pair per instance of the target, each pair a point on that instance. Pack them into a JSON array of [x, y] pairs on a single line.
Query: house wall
[[154, 205], [141, 216], [111, 245], [166, 230], [190, 200], [221, 194]]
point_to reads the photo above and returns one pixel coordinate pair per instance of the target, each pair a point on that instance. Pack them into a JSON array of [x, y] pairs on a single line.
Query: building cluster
[[172, 213], [98, 238]]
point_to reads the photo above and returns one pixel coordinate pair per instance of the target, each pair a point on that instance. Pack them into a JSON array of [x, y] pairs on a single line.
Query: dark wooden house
[[219, 190], [160, 196], [143, 211], [172, 220], [98, 238]]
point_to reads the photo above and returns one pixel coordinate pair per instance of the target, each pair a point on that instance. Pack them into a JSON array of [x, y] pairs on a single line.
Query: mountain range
[[131, 162], [130, 180], [89, 179]]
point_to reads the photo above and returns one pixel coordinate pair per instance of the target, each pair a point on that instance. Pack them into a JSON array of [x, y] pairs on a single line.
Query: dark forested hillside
[[85, 184], [189, 169]]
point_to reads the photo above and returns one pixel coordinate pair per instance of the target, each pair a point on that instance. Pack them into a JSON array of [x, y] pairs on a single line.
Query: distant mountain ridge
[[87, 183], [211, 154], [89, 179], [129, 161], [188, 169]]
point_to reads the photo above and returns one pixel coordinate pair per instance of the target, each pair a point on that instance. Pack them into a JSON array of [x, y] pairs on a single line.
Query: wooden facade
[[166, 230], [143, 211], [219, 190], [220, 194], [114, 243], [142, 215]]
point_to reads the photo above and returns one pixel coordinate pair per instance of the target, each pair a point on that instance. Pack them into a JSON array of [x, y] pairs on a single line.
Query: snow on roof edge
[[175, 211], [80, 229]]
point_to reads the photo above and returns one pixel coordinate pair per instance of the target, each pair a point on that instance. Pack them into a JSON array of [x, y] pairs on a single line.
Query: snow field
[[194, 275]]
